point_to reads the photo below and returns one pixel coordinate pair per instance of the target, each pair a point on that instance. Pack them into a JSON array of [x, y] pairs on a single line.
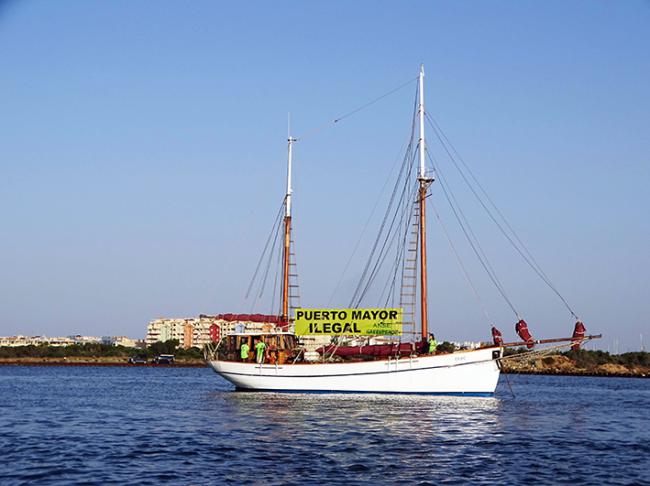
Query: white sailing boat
[[396, 367]]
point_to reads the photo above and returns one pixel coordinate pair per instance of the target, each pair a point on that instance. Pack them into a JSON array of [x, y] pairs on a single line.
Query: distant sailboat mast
[[424, 182]]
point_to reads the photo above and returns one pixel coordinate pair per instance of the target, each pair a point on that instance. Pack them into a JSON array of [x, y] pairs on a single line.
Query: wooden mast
[[287, 235], [422, 194]]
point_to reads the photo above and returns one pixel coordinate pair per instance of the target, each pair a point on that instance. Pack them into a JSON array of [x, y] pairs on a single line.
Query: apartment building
[[125, 341], [195, 331]]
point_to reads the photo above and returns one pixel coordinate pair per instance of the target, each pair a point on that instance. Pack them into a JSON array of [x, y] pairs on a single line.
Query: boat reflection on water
[[379, 419], [372, 435]]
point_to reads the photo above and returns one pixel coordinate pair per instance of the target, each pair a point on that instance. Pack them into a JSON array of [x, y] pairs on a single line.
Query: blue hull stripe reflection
[[350, 392]]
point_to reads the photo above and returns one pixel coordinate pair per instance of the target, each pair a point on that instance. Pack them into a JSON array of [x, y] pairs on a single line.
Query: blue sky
[[142, 154]]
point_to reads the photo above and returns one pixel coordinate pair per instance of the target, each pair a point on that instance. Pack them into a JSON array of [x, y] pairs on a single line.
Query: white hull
[[463, 373]]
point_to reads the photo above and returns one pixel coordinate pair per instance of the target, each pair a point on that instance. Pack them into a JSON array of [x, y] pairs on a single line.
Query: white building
[[79, 339], [19, 340], [125, 341], [195, 331], [164, 329]]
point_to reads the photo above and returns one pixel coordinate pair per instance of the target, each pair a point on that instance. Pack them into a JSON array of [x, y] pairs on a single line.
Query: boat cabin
[[280, 346]]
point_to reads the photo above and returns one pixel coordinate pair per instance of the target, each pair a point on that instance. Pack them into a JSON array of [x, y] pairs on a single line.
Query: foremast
[[424, 183], [286, 253]]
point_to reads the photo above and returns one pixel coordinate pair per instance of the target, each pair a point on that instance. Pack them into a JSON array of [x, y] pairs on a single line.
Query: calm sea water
[[66, 425]]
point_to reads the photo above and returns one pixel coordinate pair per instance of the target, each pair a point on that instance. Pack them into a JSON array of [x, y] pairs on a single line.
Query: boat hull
[[473, 373]]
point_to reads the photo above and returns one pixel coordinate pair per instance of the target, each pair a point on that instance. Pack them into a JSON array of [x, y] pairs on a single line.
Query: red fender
[[496, 336], [522, 329], [578, 333]]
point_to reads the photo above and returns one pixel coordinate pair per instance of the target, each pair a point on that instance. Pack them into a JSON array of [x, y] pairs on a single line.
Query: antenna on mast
[[422, 143], [290, 141]]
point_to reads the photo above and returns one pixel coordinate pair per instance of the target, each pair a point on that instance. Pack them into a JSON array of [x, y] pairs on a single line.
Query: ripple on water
[[151, 426]]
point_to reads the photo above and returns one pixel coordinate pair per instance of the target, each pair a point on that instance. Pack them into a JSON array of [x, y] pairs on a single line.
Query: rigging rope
[[405, 173], [350, 113], [522, 249], [268, 240], [365, 226], [268, 266], [404, 219], [535, 354], [401, 250], [469, 234], [276, 279], [387, 243], [461, 265]]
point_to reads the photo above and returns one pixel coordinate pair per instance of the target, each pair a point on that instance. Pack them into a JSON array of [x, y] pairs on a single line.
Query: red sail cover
[[250, 318], [578, 333], [403, 349], [496, 336], [522, 329], [262, 318]]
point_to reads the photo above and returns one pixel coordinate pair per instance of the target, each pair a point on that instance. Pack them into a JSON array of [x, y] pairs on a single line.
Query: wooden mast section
[[287, 235], [424, 182]]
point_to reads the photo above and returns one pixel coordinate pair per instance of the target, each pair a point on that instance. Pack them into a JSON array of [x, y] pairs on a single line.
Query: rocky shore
[[563, 365]]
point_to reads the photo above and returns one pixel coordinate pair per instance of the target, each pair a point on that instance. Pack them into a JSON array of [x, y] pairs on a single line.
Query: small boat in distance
[[329, 350]]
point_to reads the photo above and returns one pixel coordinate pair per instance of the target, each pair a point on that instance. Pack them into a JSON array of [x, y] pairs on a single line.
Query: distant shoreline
[[599, 374], [59, 362]]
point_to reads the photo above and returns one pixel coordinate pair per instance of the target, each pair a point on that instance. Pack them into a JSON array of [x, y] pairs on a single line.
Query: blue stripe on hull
[[383, 372], [349, 392]]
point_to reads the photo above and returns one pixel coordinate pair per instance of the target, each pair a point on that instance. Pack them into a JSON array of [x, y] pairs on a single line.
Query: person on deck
[[259, 348], [433, 344], [245, 348]]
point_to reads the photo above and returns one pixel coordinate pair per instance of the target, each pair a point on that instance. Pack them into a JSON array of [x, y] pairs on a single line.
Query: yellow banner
[[359, 322]]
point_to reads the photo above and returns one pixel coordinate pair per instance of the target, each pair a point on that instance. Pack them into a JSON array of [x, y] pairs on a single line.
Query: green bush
[[588, 358], [511, 351], [98, 350], [86, 350], [446, 347]]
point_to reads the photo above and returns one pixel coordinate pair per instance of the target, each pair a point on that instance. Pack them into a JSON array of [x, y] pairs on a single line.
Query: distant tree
[[193, 353], [54, 352], [446, 347], [519, 350], [167, 347]]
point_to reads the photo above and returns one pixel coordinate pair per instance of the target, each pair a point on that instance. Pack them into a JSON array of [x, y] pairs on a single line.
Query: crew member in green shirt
[[433, 344], [260, 347], [245, 348]]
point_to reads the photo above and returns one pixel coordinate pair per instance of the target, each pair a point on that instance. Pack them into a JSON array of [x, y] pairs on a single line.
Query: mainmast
[[424, 182], [287, 234]]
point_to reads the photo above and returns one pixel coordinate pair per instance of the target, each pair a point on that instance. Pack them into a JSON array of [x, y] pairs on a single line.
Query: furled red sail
[[259, 318], [522, 329], [496, 336], [578, 335], [403, 349], [250, 318]]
